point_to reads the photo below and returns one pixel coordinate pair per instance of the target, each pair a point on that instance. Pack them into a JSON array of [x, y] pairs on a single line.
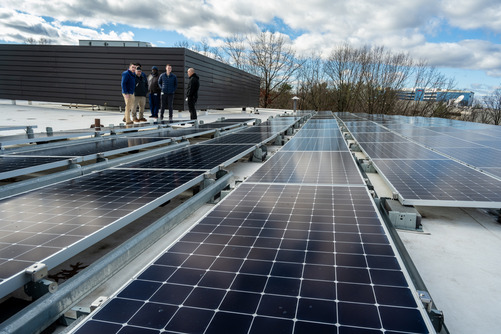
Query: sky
[[462, 38]]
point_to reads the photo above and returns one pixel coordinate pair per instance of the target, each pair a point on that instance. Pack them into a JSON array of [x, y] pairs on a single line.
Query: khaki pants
[[129, 104], [141, 102]]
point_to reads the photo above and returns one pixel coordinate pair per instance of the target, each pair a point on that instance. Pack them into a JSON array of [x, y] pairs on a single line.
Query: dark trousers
[[191, 106], [167, 102], [154, 104]]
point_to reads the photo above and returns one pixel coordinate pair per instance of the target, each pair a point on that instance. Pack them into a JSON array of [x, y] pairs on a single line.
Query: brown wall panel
[[92, 74]]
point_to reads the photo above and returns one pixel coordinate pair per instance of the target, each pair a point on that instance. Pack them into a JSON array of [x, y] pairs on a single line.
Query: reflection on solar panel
[[196, 157], [273, 259], [316, 144], [421, 182], [40, 226], [334, 168]]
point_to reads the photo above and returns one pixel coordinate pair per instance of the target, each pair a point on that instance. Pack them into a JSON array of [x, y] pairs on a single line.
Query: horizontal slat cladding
[[91, 75]]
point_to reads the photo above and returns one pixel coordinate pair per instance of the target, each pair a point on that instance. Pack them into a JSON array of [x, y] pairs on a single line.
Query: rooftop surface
[[457, 255]]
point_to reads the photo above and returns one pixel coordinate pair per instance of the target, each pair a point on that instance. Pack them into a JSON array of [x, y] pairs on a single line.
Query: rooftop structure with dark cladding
[[92, 74]]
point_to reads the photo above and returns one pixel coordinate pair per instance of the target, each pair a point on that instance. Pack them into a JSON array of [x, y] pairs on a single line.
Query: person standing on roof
[[154, 90], [140, 95], [168, 85], [128, 87], [192, 92]]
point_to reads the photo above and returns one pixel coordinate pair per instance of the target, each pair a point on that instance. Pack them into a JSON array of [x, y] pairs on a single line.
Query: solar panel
[[439, 141], [400, 150], [42, 137], [196, 157], [316, 144], [273, 258], [309, 167], [424, 182], [379, 137], [496, 171], [329, 133], [241, 138], [12, 166], [46, 225], [94, 147], [476, 156]]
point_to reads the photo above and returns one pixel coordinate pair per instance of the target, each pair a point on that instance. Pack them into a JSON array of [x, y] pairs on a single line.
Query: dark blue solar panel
[[40, 223], [273, 258]]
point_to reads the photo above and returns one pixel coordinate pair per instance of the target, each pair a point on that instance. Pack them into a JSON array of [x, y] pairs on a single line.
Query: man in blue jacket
[[168, 85], [128, 87]]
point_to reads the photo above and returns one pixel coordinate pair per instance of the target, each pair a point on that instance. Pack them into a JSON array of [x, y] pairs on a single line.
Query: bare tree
[[41, 41], [312, 84], [237, 51], [493, 104], [344, 69], [274, 61]]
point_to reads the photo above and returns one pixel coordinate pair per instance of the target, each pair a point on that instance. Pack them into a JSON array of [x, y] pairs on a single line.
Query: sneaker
[[142, 119], [151, 116]]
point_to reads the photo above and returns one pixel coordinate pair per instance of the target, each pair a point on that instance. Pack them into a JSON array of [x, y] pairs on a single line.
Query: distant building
[[87, 42], [436, 94]]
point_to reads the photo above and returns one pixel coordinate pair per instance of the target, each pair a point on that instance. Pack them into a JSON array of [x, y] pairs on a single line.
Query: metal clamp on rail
[[39, 286]]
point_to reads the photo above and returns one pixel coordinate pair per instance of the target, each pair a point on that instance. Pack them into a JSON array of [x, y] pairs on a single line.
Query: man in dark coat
[[192, 92], [154, 90], [140, 92]]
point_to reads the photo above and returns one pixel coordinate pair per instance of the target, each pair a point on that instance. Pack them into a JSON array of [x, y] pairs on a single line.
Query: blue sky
[[461, 38]]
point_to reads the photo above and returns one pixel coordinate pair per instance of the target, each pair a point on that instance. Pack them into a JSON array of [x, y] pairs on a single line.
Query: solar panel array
[[432, 161], [26, 160], [53, 223], [278, 255]]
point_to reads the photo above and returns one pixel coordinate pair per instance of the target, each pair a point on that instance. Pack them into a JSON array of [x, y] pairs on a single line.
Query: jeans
[[154, 104], [167, 102]]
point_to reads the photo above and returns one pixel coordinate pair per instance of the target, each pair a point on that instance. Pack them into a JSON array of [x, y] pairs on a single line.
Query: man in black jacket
[[192, 92], [154, 90], [140, 95]]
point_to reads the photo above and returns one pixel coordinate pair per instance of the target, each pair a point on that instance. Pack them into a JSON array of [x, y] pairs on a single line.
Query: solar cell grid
[[280, 278], [38, 224], [309, 167], [475, 156]]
